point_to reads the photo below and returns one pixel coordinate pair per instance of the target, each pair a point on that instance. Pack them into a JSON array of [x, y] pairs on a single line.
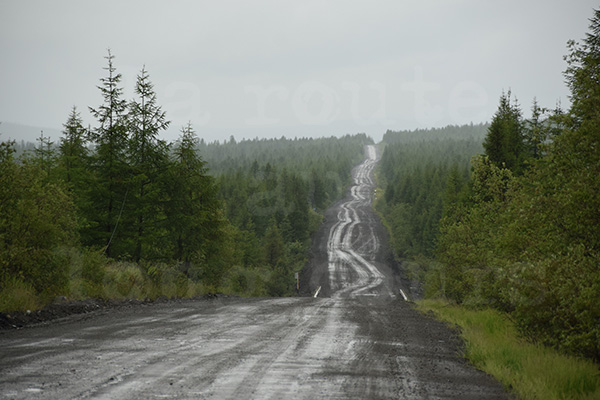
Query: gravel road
[[359, 339]]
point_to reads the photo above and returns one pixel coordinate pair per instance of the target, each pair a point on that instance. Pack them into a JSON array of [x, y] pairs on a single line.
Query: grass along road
[[532, 371]]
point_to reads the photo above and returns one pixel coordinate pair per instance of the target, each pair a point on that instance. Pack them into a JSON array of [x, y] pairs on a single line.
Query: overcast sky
[[303, 68]]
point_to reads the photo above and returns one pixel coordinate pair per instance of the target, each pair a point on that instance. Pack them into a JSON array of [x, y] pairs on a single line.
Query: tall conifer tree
[[73, 164], [148, 159], [504, 143], [193, 211], [73, 152], [110, 165]]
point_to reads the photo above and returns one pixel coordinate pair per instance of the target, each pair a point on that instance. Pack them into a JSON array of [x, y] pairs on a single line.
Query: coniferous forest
[[506, 215], [114, 211]]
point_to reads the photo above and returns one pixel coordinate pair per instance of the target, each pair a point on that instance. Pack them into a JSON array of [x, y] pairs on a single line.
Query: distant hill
[[25, 133]]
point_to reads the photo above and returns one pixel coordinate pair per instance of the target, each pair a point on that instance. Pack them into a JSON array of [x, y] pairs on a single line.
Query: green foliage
[[43, 155], [281, 283], [582, 75], [426, 178], [36, 218], [537, 131], [530, 244], [192, 206], [274, 246], [505, 141], [125, 280], [16, 295], [73, 153], [273, 191], [74, 164], [528, 248], [519, 234], [93, 271], [451, 132], [151, 219], [109, 162], [490, 182], [530, 371], [282, 176], [147, 159]]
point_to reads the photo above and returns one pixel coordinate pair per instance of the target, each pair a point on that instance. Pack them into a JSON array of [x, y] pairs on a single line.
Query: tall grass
[[125, 280], [247, 282], [530, 370], [15, 295], [93, 275]]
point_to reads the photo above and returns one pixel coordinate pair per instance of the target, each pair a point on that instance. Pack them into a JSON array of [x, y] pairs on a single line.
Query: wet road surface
[[362, 340]]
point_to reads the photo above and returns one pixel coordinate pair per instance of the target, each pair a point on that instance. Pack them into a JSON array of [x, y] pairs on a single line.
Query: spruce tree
[[44, 155], [109, 163], [74, 165], [148, 159], [73, 153], [298, 213], [576, 152], [274, 246], [504, 143], [193, 209], [583, 74], [536, 131]]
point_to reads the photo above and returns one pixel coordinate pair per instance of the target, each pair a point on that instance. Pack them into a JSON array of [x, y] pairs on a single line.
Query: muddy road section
[[359, 339]]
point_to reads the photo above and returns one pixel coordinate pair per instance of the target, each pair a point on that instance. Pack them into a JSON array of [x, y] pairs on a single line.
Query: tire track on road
[[352, 241]]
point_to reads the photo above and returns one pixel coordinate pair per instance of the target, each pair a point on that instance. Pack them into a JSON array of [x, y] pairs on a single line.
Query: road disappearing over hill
[[358, 339]]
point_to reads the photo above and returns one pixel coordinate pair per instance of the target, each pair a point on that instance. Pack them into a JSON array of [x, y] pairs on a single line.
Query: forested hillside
[[520, 232], [425, 173], [273, 173], [273, 193], [115, 211]]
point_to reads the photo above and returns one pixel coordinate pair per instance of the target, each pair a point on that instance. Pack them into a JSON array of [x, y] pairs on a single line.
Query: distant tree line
[[519, 232], [273, 192], [113, 209], [425, 173]]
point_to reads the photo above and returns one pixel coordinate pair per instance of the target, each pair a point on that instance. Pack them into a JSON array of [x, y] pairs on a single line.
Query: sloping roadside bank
[[63, 309], [531, 371]]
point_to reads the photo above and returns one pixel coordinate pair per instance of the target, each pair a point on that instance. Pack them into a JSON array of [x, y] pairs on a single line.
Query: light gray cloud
[[272, 68]]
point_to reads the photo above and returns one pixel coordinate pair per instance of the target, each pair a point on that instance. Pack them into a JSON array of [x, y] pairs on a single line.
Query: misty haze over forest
[[267, 69]]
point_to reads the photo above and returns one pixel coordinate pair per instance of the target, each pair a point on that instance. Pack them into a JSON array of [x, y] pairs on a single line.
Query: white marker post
[[317, 292], [403, 295]]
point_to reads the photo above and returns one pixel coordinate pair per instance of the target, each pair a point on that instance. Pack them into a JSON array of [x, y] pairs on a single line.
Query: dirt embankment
[[63, 308]]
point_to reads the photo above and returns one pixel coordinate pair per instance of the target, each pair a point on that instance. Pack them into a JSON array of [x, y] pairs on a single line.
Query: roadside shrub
[[124, 280], [494, 345], [36, 217], [246, 281], [281, 283], [16, 295], [556, 302], [93, 269], [173, 283]]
